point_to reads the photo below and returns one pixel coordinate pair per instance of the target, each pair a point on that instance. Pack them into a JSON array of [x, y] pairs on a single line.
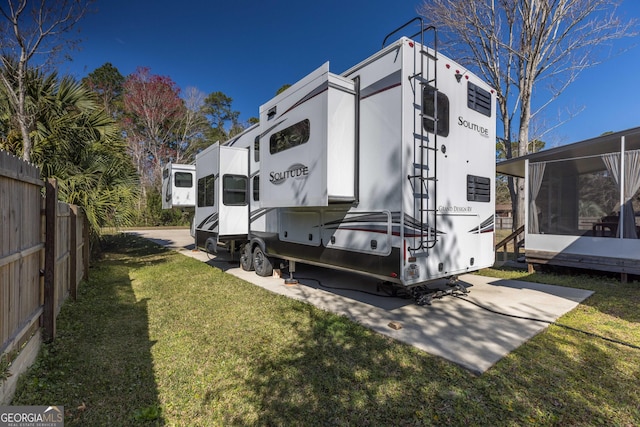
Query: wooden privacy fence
[[504, 223], [66, 255], [44, 253]]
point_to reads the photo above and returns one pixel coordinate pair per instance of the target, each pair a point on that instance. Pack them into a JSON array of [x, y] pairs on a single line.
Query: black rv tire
[[262, 263], [246, 258], [210, 247]]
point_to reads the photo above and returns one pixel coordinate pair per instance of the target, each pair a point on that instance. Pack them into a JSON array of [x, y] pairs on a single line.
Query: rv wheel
[[210, 246], [246, 258], [262, 263]]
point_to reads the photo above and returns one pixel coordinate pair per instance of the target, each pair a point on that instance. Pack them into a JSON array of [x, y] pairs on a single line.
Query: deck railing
[[516, 239]]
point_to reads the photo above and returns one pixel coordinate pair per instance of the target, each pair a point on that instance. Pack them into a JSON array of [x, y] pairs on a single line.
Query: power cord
[[457, 295], [549, 322]]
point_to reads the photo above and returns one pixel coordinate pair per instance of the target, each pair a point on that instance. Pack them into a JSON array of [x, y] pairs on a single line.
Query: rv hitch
[[424, 295], [426, 298]]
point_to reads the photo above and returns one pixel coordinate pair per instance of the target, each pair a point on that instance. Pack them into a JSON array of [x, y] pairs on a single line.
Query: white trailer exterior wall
[[222, 210], [415, 214], [178, 186]]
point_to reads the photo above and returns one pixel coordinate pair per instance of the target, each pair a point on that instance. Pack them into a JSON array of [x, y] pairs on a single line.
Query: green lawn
[[156, 338]]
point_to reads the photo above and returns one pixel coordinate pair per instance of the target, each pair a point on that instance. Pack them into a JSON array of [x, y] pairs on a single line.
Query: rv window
[[429, 110], [234, 190], [206, 191], [183, 180], [256, 149], [256, 188], [290, 137], [478, 99]]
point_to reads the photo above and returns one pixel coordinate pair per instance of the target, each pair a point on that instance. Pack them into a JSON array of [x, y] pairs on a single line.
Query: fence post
[[86, 246], [49, 309], [73, 252]]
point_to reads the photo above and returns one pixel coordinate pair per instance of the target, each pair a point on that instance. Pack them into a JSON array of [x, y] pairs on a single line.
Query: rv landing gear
[[422, 294], [292, 269]]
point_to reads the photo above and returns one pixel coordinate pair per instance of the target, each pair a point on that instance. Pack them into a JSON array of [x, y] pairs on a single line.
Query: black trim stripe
[[377, 223], [485, 226], [389, 82], [211, 218], [259, 213], [315, 92]]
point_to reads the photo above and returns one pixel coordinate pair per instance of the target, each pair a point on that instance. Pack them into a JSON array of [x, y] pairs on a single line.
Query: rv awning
[[590, 147]]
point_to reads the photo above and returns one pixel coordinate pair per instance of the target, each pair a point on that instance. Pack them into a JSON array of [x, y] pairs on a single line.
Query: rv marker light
[[410, 44], [394, 275]]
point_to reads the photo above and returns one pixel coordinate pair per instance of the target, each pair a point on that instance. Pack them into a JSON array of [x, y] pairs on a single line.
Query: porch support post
[[526, 197], [622, 184]]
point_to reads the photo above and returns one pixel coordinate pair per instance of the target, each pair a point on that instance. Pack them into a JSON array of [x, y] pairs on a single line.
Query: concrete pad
[[452, 327]]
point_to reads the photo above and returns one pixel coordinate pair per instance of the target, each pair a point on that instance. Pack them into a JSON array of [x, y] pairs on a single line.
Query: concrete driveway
[[452, 328]]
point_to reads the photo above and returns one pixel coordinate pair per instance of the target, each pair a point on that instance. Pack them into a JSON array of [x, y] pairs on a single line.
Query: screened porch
[[583, 203]]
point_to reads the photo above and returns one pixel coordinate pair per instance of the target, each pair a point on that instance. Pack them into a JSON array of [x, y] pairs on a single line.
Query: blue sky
[[249, 49]]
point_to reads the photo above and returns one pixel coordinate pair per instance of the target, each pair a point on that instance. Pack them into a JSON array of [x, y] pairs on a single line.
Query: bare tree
[[516, 44], [192, 126], [29, 28]]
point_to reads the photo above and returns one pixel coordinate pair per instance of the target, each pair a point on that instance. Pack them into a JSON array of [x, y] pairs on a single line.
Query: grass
[[156, 338]]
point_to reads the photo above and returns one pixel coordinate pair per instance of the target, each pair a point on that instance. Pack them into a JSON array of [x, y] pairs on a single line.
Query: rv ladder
[[427, 54], [424, 178], [423, 81]]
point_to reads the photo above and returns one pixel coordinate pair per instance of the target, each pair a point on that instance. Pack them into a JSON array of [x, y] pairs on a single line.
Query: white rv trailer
[[178, 186], [222, 212], [387, 169]]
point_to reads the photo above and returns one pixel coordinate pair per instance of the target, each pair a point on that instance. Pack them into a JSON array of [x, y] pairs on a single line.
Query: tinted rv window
[[429, 110], [206, 191], [183, 179], [234, 190], [478, 99], [256, 188], [290, 137], [256, 149]]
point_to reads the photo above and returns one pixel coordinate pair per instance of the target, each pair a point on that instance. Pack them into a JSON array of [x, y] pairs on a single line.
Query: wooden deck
[[624, 266]]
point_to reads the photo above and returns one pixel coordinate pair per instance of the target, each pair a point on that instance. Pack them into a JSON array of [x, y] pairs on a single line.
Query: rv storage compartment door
[[307, 152], [300, 227]]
